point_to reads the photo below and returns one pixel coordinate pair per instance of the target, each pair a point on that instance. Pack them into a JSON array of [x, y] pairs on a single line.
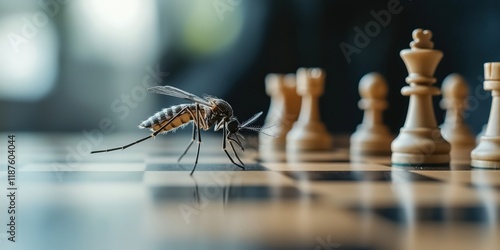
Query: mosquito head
[[233, 126]]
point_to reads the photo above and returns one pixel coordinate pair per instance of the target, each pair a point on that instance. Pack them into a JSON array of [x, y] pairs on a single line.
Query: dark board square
[[224, 193], [203, 167], [436, 214], [81, 176], [375, 176]]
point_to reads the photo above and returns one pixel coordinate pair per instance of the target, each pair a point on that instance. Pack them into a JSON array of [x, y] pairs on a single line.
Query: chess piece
[[283, 112], [308, 132], [478, 136], [487, 152], [454, 129], [419, 142], [372, 137]]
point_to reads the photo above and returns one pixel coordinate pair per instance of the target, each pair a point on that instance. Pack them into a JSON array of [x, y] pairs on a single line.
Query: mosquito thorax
[[222, 108]]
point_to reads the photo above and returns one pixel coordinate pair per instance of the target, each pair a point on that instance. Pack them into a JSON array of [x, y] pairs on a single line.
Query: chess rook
[[372, 137], [487, 152], [283, 112], [420, 142], [308, 132], [454, 129]]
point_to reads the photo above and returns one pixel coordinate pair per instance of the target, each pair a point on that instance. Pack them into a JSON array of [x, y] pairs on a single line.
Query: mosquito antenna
[[251, 120], [261, 130], [270, 135]]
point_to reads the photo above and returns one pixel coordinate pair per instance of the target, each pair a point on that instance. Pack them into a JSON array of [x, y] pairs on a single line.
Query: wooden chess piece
[[308, 132], [420, 142], [487, 152], [481, 133], [283, 112], [372, 137], [454, 129]]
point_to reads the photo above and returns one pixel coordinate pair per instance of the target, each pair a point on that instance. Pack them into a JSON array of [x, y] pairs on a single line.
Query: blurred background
[[69, 65]]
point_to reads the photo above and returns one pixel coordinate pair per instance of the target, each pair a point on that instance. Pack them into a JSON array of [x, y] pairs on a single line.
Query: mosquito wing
[[179, 93]]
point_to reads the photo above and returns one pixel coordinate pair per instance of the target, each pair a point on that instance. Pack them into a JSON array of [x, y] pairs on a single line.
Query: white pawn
[[308, 132], [372, 137], [487, 152], [283, 112], [454, 129], [481, 133]]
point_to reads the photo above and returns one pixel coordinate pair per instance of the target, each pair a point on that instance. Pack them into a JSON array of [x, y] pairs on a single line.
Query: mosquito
[[204, 113]]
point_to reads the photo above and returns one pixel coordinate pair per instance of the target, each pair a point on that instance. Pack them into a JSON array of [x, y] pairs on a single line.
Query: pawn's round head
[[373, 85], [455, 86]]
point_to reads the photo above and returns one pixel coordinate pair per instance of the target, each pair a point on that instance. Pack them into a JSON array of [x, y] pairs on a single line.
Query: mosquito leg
[[196, 194], [224, 148], [237, 143], [122, 147], [143, 139], [235, 154], [190, 143], [198, 116]]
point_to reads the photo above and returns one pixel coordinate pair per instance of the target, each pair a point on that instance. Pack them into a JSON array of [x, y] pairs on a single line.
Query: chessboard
[[141, 198]]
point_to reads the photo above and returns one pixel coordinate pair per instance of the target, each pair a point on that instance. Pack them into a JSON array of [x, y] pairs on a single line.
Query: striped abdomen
[[159, 119]]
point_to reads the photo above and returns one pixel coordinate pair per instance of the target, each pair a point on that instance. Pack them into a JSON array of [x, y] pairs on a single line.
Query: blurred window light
[[211, 26], [29, 56], [121, 33]]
